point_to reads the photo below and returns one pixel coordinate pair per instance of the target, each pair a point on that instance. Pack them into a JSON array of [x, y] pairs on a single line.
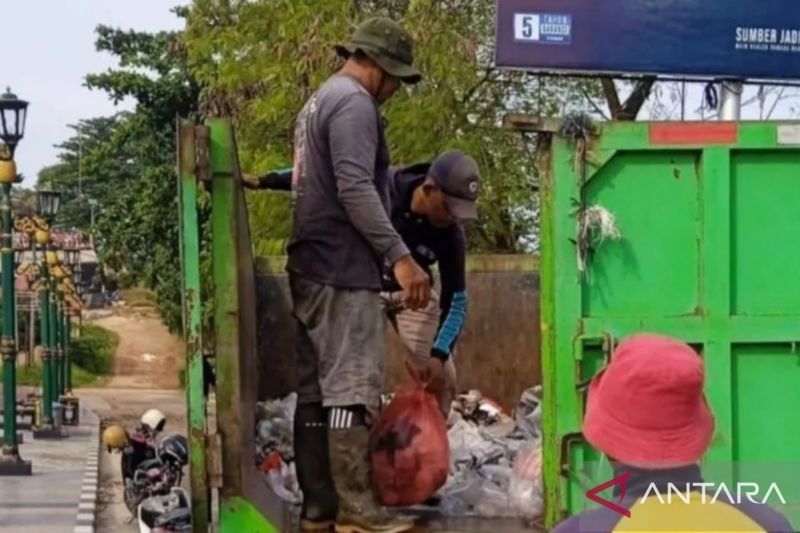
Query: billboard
[[736, 39]]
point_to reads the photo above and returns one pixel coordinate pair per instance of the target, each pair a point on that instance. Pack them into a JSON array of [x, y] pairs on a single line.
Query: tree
[[92, 166], [260, 68], [127, 162]]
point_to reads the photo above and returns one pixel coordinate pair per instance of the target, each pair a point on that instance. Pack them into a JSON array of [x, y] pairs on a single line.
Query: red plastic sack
[[410, 450]]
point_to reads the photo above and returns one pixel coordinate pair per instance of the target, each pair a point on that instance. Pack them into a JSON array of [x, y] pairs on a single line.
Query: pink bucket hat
[[647, 408]]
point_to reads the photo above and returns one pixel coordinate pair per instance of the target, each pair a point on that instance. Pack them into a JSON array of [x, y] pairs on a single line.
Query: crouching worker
[[429, 203], [646, 411]]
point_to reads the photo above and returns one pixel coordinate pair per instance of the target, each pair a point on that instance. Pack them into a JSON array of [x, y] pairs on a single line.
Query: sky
[[49, 49]]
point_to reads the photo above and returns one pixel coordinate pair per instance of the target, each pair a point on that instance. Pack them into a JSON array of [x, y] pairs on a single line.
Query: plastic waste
[[410, 451], [274, 453], [525, 488], [529, 413], [283, 482]]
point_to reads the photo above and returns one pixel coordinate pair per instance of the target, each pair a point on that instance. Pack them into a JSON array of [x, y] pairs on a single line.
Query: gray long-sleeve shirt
[[342, 231]]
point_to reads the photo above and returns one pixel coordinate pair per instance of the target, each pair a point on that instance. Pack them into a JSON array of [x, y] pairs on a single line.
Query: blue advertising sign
[[745, 39]]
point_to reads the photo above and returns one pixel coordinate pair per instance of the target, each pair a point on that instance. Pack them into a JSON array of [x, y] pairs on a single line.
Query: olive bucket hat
[[388, 44]]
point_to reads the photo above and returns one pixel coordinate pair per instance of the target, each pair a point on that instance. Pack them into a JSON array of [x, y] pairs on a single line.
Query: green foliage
[[126, 164], [261, 68], [94, 349], [32, 376]]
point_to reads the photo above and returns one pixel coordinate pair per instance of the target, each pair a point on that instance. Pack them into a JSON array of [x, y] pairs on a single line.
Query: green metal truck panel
[[707, 215]]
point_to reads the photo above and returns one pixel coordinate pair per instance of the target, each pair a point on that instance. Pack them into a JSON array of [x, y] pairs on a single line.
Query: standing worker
[[429, 201], [342, 237]]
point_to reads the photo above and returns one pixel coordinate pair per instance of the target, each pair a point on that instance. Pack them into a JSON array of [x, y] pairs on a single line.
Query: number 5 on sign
[[526, 27]]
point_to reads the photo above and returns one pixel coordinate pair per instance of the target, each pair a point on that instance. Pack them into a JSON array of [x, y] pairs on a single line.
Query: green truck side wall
[[706, 255]]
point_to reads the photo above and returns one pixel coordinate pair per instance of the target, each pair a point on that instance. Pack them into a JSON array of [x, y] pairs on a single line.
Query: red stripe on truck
[[694, 133]]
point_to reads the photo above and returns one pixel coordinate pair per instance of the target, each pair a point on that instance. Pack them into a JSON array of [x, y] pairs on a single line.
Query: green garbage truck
[[685, 229]]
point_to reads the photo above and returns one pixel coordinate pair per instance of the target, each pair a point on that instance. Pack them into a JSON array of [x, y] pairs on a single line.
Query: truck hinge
[[214, 460]]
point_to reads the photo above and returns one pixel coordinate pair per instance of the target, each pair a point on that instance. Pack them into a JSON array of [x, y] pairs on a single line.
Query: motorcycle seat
[[174, 517], [149, 463]]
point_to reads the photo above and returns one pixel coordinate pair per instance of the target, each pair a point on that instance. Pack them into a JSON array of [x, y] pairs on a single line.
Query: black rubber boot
[[312, 462]]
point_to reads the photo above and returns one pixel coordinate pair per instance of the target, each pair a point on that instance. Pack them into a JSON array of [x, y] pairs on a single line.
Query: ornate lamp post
[[13, 114], [72, 306], [72, 258], [39, 229]]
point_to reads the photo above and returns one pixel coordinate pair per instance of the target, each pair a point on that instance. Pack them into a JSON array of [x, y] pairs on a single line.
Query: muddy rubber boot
[[359, 508], [313, 467]]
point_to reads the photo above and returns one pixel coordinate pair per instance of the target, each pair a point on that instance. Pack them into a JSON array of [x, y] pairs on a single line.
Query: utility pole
[[92, 204], [730, 102]]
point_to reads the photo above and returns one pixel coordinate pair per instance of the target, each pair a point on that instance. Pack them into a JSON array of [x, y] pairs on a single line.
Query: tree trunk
[[629, 110]]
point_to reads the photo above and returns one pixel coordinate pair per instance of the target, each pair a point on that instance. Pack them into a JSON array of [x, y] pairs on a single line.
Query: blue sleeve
[[280, 179], [453, 300]]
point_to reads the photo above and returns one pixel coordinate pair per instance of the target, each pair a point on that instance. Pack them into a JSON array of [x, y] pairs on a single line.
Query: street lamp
[[47, 203], [57, 274], [13, 114], [72, 259]]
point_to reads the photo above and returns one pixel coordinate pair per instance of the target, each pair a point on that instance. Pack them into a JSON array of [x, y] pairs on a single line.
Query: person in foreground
[[647, 412]]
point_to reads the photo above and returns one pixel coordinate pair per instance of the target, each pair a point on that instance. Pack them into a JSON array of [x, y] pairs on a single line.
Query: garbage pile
[[274, 451], [495, 468], [495, 460]]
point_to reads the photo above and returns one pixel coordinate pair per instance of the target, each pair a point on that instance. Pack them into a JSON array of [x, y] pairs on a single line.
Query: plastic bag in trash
[[274, 428], [493, 501], [525, 491], [283, 482], [468, 445], [410, 451], [529, 413], [471, 494]]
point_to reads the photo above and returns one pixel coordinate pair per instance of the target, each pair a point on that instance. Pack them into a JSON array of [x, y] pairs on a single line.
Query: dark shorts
[[340, 352]]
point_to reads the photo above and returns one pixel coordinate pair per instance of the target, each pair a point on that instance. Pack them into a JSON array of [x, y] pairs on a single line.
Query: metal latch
[[566, 445], [607, 344]]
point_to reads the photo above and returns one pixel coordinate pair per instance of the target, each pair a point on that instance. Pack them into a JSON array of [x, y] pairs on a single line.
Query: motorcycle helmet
[[174, 450], [115, 437], [154, 421]]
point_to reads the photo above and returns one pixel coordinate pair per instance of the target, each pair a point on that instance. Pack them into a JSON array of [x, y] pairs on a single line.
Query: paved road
[[47, 501]]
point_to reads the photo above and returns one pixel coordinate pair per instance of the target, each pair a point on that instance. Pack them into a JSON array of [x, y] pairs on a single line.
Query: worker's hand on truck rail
[[251, 181], [414, 281]]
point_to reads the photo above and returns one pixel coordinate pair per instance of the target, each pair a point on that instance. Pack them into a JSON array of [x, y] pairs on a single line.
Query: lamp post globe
[[48, 203], [13, 115]]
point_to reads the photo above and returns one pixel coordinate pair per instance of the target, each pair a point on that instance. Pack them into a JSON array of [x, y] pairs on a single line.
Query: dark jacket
[[445, 247]]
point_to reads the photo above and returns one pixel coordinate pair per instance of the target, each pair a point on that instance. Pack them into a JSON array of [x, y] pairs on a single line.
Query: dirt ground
[[148, 356], [146, 368]]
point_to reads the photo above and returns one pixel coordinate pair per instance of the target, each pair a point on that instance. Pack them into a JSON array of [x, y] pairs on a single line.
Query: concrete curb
[[87, 504]]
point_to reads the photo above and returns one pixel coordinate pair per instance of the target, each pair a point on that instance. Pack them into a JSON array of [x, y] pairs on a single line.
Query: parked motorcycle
[[143, 473], [169, 513], [155, 477], [165, 507]]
